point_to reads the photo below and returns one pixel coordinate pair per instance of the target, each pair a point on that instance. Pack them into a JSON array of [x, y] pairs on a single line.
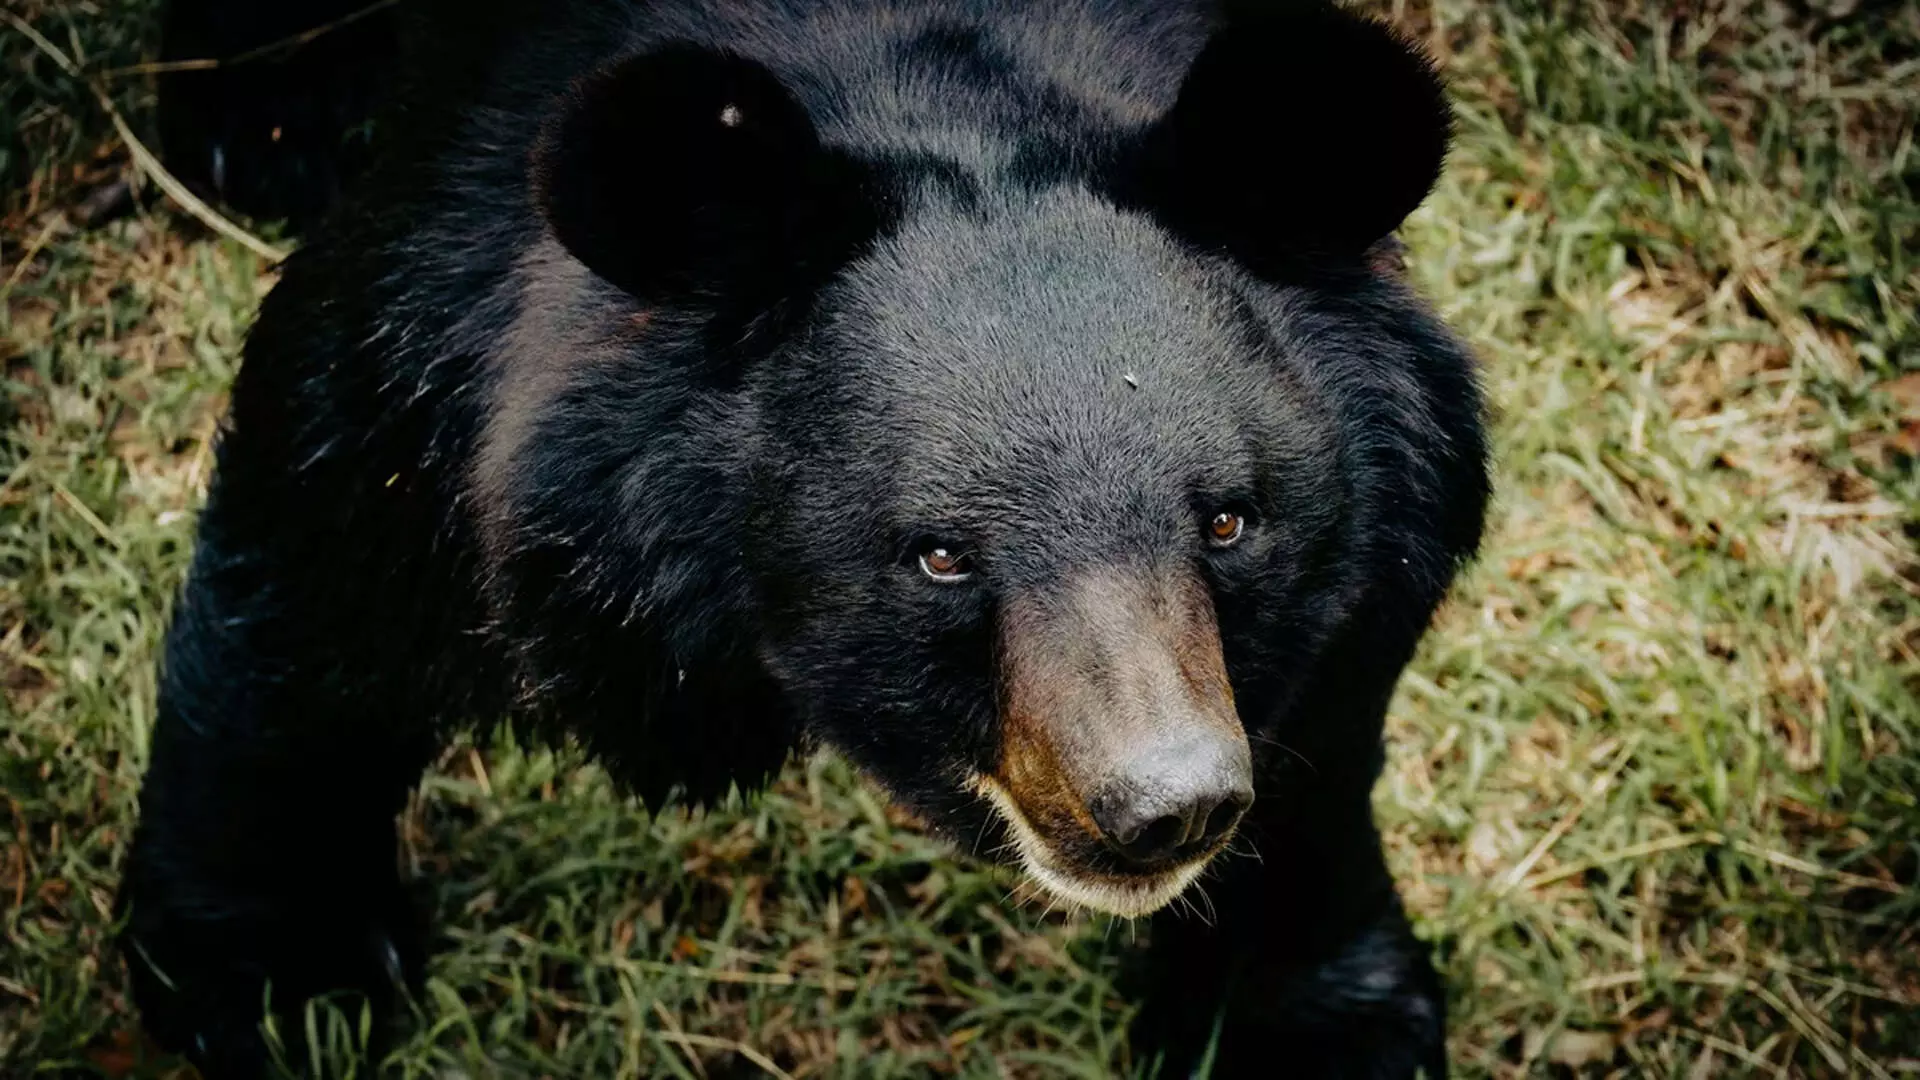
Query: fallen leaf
[[1571, 1049], [119, 1057], [1907, 440], [1905, 390]]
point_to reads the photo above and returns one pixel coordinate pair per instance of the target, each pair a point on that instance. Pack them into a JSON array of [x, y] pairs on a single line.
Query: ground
[[1654, 790]]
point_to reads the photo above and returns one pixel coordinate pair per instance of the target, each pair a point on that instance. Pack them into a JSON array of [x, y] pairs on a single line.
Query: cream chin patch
[[1129, 900]]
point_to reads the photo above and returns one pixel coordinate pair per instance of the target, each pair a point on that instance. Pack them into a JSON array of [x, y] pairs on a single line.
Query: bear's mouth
[[1129, 895]]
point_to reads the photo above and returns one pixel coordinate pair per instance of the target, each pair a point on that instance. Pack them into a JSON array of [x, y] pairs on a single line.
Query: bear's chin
[[1128, 896]]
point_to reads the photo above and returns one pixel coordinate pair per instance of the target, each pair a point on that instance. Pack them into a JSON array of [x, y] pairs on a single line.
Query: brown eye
[[945, 564], [1226, 529]]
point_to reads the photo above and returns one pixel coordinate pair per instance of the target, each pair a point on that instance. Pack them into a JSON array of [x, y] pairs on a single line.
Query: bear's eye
[[945, 564], [1226, 529]]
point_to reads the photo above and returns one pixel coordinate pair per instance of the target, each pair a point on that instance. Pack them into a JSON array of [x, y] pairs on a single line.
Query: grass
[[1655, 782]]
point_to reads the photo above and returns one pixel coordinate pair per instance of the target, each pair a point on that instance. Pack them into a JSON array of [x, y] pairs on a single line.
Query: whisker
[[1212, 916], [981, 836], [1186, 906], [1271, 741], [1250, 851], [1237, 850]]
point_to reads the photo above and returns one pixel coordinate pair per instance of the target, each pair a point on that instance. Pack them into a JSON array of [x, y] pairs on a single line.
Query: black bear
[[1021, 399]]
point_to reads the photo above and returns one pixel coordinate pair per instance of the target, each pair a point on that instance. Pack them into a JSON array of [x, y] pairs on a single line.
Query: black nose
[[1174, 802]]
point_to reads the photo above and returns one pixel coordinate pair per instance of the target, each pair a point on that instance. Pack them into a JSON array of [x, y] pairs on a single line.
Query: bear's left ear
[[691, 175], [1301, 133]]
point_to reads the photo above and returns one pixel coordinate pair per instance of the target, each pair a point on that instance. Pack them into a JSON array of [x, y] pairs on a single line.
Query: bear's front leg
[[1306, 966], [312, 653], [264, 862]]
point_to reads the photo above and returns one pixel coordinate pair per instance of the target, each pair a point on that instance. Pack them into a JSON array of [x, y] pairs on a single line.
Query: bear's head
[[1034, 480]]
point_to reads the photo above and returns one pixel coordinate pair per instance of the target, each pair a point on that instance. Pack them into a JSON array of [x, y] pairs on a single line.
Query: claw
[[390, 962]]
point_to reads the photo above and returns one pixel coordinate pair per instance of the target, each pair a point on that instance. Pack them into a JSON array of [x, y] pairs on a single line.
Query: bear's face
[[1041, 515], [1032, 474]]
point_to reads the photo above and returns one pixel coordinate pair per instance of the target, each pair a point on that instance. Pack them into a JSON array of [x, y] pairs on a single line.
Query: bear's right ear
[[685, 174]]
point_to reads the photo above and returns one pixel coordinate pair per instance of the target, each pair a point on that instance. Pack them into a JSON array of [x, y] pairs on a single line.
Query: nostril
[[1224, 817], [1148, 825], [1119, 824], [1158, 839], [1138, 829]]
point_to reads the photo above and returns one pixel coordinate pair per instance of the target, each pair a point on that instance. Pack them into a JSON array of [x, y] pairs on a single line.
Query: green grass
[[1654, 780]]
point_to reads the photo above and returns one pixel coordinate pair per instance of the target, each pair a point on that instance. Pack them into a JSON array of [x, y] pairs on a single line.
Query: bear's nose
[[1174, 801]]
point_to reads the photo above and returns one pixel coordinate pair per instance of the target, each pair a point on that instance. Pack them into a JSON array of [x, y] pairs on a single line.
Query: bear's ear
[[1302, 132], [685, 174]]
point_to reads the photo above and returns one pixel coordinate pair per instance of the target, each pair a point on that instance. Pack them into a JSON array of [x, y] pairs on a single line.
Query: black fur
[[588, 406], [686, 176], [1235, 168], [280, 127]]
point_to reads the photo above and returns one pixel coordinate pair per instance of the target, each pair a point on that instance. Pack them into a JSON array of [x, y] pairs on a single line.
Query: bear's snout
[[1123, 766]]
